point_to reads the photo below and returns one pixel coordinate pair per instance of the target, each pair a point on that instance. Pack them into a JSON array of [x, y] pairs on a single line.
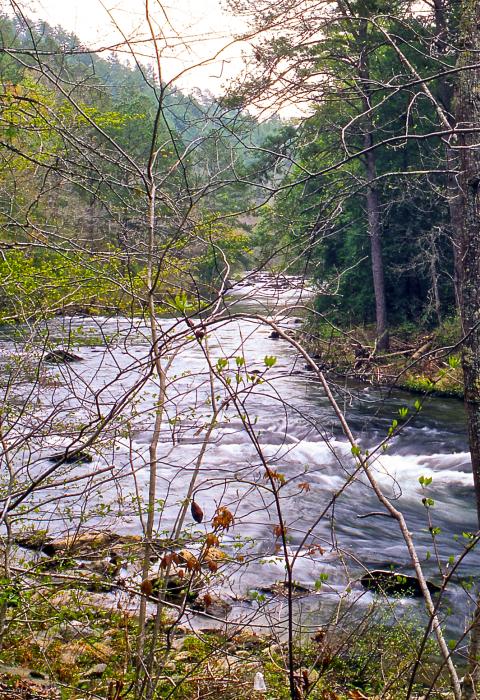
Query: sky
[[206, 29]]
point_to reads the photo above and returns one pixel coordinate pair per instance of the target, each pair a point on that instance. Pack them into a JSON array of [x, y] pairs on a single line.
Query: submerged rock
[[395, 583], [78, 457], [57, 357]]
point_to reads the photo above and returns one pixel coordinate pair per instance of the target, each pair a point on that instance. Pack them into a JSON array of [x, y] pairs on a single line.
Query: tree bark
[[467, 113], [375, 234], [446, 93], [373, 201], [468, 118]]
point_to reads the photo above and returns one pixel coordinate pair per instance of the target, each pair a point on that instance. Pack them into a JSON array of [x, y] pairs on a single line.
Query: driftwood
[[422, 349]]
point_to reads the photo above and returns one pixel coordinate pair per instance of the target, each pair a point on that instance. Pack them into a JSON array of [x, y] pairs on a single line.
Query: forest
[[240, 358]]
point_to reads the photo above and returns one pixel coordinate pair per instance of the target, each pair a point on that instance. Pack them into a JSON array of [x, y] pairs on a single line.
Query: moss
[[446, 382]]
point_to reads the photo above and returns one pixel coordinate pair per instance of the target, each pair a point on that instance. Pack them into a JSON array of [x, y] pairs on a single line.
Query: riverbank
[[79, 650], [416, 361]]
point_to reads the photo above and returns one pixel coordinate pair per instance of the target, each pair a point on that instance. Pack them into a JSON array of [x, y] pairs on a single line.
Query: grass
[[90, 652]]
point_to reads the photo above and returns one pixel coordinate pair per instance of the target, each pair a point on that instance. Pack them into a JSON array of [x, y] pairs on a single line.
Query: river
[[295, 429]]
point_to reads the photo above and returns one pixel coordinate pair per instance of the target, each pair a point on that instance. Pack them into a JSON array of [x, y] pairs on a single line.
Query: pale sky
[[202, 24]]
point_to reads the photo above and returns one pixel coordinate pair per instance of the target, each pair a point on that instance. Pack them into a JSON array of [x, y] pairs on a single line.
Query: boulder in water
[[57, 357], [395, 583], [213, 605], [77, 457]]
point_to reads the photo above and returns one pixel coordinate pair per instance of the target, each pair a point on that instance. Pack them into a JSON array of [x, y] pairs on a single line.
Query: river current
[[336, 532]]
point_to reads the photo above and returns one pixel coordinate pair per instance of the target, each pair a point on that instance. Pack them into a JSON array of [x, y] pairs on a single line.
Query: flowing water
[[296, 434]]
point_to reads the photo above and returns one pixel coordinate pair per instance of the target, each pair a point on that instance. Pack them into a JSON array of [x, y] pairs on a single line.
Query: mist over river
[[295, 429]]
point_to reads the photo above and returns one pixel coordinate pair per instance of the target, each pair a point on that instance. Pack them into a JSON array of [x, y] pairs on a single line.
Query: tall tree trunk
[[375, 233], [445, 92], [456, 215], [433, 252], [373, 201], [468, 118]]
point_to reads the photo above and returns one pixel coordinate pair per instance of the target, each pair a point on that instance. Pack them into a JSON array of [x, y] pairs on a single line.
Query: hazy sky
[[205, 28]]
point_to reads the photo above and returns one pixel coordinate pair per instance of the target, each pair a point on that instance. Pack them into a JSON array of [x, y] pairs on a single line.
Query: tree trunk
[[433, 252], [374, 232], [445, 92], [468, 117], [467, 108], [373, 203]]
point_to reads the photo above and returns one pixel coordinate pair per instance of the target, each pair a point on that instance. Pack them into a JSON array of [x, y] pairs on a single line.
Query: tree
[[143, 188], [467, 118]]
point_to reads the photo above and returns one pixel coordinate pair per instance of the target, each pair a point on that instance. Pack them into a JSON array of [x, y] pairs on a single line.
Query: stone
[[395, 583], [37, 675], [89, 543], [281, 588], [31, 681], [83, 600], [214, 555], [175, 586], [35, 540], [73, 629], [57, 357], [190, 559], [96, 671], [248, 640], [178, 643], [212, 605], [76, 457], [70, 653]]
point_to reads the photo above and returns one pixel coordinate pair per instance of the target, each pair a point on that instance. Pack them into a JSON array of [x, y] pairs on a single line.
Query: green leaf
[[454, 361], [181, 302], [270, 360], [222, 362], [428, 502], [323, 578]]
